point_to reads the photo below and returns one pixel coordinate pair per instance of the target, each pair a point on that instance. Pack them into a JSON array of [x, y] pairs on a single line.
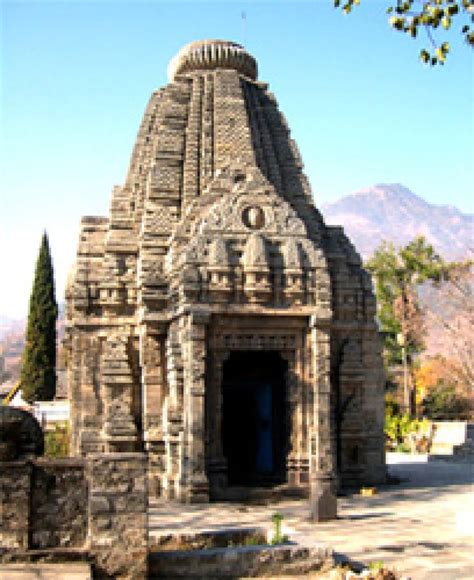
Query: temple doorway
[[255, 422]]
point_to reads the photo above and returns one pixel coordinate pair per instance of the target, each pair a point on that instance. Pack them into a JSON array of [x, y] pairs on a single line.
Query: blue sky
[[76, 76]]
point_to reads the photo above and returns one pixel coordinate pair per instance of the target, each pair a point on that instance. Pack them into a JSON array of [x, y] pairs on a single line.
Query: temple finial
[[212, 54]]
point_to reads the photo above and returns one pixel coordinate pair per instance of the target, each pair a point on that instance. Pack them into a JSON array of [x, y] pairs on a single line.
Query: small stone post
[[323, 502]]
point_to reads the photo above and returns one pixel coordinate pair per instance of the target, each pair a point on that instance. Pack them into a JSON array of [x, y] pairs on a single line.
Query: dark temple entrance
[[255, 423]]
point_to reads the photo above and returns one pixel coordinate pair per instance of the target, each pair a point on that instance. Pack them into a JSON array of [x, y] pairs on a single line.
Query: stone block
[[323, 501]]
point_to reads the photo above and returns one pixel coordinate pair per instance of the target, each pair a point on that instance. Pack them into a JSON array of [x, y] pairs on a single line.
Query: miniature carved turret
[[257, 282], [294, 284], [190, 283], [220, 283]]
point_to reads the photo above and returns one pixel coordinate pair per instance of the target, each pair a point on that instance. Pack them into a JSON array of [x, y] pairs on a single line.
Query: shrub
[[398, 429], [442, 402], [56, 442]]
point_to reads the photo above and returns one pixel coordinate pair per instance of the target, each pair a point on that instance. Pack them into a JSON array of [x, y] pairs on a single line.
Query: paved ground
[[422, 526], [45, 571]]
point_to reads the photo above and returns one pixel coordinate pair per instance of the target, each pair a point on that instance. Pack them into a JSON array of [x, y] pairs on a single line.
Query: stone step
[[241, 561], [452, 439], [46, 571], [459, 458], [257, 494]]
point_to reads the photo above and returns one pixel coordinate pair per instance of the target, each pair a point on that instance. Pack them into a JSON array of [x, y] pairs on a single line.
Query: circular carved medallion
[[253, 217]]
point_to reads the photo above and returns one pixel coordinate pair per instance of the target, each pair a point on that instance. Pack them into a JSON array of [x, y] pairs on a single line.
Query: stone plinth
[[117, 508]]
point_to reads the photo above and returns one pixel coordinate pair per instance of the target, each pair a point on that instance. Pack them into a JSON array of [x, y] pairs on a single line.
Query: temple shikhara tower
[[214, 322]]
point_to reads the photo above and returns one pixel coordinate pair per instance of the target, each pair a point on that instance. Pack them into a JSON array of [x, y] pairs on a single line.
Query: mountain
[[393, 212], [12, 342], [10, 326]]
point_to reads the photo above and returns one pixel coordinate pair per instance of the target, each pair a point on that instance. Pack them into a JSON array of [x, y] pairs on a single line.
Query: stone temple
[[214, 321]]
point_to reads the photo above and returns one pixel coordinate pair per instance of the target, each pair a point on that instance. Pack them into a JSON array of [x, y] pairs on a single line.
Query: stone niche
[[214, 322]]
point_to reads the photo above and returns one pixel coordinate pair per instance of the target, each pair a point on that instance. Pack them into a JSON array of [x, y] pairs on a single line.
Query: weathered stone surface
[[93, 509], [251, 561], [323, 502], [20, 434], [118, 524], [213, 247], [58, 504], [65, 571], [15, 485], [43, 504]]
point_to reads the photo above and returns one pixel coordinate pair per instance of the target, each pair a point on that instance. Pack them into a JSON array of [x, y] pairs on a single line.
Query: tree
[[431, 371], [409, 16], [38, 365], [449, 310], [444, 403], [398, 275]]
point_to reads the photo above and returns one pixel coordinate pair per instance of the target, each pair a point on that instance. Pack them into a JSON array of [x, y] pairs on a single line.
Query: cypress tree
[[38, 365]]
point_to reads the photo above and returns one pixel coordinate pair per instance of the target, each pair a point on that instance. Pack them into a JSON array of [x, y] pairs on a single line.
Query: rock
[[20, 434]]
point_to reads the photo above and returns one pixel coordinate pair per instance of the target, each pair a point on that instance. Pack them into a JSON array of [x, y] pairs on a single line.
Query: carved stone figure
[[207, 315]]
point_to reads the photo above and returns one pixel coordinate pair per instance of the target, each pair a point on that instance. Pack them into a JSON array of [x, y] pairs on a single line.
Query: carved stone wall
[[213, 242]]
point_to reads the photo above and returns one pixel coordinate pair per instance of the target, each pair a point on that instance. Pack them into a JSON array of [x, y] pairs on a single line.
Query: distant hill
[[12, 342], [393, 212], [10, 326]]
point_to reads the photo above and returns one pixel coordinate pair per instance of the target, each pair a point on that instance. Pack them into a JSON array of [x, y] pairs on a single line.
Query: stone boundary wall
[[96, 506], [118, 518], [15, 491], [43, 504], [58, 509]]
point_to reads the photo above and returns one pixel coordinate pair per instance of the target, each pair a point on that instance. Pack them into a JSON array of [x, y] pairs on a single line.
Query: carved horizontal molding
[[256, 341]]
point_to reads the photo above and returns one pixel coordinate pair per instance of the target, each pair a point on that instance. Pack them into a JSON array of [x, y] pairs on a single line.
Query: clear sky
[[76, 76]]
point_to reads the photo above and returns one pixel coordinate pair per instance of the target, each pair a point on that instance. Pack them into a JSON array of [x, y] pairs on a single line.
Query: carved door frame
[[290, 342]]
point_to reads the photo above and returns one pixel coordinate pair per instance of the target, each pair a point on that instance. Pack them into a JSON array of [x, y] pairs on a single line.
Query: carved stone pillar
[[86, 405], [217, 463], [172, 415], [154, 393], [350, 416], [119, 431], [194, 482], [323, 502], [293, 389]]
